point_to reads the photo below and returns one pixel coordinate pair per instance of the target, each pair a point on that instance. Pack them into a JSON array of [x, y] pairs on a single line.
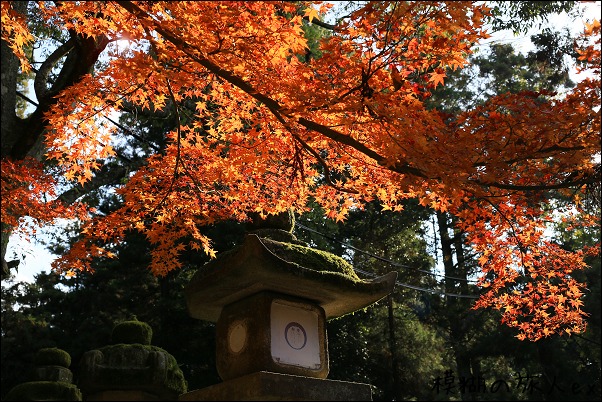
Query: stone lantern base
[[267, 386]]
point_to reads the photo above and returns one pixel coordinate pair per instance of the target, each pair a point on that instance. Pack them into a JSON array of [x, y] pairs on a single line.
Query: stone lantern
[[130, 368], [53, 379], [270, 298]]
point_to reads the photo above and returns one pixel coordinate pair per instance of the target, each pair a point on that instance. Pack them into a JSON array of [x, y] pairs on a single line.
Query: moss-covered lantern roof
[[262, 264]]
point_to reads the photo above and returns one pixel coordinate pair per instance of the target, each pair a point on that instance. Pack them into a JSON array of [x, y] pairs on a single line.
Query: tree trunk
[[396, 374], [457, 330], [23, 138], [9, 65]]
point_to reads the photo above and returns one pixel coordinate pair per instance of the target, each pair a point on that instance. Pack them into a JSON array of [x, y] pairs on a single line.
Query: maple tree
[[273, 129]]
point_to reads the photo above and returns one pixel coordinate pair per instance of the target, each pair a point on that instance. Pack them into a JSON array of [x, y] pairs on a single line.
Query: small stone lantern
[[130, 369], [270, 298], [52, 379]]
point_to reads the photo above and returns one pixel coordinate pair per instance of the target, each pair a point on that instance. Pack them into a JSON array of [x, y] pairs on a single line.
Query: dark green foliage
[[44, 391], [520, 16], [502, 69], [24, 332], [314, 35], [78, 314], [283, 221], [53, 357], [360, 351]]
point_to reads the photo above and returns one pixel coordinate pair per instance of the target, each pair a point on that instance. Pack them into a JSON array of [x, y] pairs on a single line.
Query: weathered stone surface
[[262, 264], [267, 386], [54, 373]]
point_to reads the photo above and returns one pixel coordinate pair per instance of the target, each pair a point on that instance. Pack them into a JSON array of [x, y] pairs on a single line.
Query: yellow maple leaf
[[311, 13]]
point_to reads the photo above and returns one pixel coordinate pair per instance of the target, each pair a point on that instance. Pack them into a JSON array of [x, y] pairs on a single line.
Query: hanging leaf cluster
[[272, 129]]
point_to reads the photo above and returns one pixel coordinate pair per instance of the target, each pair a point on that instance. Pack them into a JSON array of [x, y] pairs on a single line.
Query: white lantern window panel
[[295, 336]]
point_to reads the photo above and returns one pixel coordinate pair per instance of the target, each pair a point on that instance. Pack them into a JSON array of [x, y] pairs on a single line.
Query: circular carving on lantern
[[295, 335], [237, 336]]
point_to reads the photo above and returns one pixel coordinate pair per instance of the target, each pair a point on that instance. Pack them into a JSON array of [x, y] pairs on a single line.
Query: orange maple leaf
[[437, 78]]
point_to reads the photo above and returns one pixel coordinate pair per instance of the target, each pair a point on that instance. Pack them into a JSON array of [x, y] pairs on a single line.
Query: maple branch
[[591, 179], [322, 24], [119, 155], [179, 130], [26, 98], [271, 104], [107, 175], [313, 152], [519, 243], [175, 173], [586, 339], [324, 165], [541, 153], [179, 159], [80, 59], [402, 168], [41, 79], [133, 134]]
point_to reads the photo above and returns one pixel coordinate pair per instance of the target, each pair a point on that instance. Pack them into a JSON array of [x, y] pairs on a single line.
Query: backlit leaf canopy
[[272, 129]]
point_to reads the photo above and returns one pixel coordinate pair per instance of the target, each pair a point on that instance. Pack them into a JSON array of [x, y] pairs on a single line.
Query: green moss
[[132, 332], [53, 357], [44, 391], [310, 258], [132, 364]]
